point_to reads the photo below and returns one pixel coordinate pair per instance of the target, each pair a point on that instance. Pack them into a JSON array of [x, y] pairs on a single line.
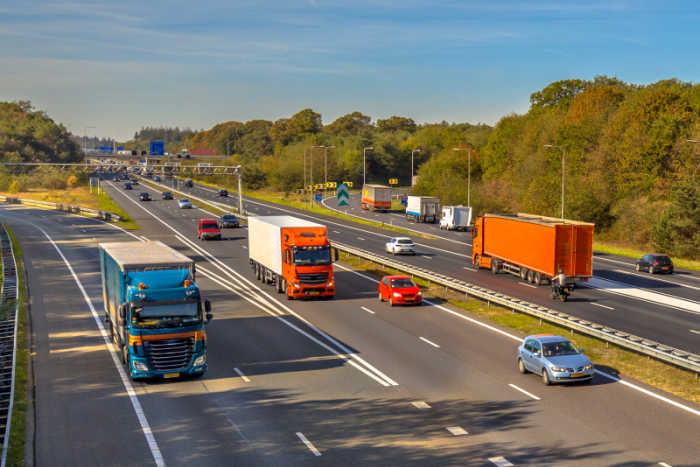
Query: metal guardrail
[[659, 351], [104, 215], [656, 350], [9, 294]]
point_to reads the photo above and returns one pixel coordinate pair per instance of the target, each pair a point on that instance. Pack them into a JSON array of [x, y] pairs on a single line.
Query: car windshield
[[557, 349], [402, 283], [210, 225], [228, 217], [166, 315], [144, 194], [167, 193], [312, 255], [405, 241], [662, 259], [184, 200]]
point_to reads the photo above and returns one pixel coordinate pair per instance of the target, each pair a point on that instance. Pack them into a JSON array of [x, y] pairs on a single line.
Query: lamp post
[[364, 163], [563, 174], [469, 173], [85, 139], [325, 161], [413, 152]]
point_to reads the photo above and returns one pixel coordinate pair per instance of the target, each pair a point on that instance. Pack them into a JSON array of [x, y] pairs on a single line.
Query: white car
[[401, 245], [184, 203]]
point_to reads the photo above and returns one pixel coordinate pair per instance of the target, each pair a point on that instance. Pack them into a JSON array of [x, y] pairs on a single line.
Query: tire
[[530, 276], [545, 377], [391, 301], [521, 366], [563, 297], [380, 297], [125, 354], [278, 283], [523, 274], [284, 285], [475, 262], [637, 267], [651, 270], [538, 279], [258, 276], [494, 267]]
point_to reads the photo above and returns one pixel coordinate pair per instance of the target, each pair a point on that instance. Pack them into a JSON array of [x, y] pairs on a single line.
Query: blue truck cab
[[154, 310]]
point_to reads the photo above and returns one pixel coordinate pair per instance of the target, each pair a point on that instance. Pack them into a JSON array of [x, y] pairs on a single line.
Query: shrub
[[72, 181]]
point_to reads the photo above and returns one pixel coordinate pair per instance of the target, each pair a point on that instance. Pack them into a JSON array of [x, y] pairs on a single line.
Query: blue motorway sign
[[318, 197], [157, 148]]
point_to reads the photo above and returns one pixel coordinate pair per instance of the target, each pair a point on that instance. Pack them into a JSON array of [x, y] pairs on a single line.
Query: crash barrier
[[677, 357], [9, 294], [104, 215], [650, 348]]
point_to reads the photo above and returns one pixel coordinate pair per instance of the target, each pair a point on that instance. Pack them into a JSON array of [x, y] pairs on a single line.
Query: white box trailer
[[456, 217], [423, 208]]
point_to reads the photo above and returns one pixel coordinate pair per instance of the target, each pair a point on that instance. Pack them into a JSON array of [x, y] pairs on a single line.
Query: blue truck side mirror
[[122, 312]]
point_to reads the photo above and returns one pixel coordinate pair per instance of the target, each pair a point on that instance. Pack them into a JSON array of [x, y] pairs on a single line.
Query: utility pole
[[325, 164], [364, 164], [413, 152], [240, 192], [563, 173]]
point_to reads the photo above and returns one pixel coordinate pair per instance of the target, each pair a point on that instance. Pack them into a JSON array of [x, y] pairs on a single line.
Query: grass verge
[[15, 454], [632, 253], [612, 359]]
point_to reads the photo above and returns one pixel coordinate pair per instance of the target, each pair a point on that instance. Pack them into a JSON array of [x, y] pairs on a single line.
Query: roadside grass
[[613, 249], [15, 454], [609, 358], [78, 196]]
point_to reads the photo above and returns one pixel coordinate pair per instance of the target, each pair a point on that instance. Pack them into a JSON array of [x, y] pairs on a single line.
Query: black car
[[223, 193], [134, 181], [127, 186], [144, 196], [655, 263], [229, 221], [189, 183], [167, 195]]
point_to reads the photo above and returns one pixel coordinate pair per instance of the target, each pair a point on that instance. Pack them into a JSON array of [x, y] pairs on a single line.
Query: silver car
[[401, 246], [184, 203], [554, 358]]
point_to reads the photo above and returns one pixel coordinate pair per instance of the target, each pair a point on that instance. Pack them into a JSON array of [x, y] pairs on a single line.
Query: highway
[[347, 382], [665, 309]]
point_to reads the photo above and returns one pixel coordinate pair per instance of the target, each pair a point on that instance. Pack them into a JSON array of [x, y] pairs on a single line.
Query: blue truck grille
[[169, 354], [313, 278]]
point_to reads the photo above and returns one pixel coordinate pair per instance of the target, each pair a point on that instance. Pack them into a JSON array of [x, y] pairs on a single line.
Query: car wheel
[[637, 267], [125, 354], [650, 269], [521, 366], [391, 301], [380, 297], [475, 262], [545, 377]]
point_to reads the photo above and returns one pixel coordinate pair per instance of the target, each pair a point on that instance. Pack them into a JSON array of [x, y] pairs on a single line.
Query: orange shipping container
[[524, 242]]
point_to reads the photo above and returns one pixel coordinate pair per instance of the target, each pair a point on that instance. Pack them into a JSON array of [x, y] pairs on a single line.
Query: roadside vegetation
[[609, 358]]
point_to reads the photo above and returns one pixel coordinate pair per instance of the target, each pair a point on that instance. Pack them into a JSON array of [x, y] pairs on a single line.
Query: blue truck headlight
[[139, 366], [201, 360]]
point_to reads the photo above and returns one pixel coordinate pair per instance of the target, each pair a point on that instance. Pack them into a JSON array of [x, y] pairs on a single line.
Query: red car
[[399, 290], [208, 228]]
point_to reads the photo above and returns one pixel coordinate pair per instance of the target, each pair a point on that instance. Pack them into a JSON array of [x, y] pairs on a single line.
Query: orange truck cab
[[293, 254], [533, 247]]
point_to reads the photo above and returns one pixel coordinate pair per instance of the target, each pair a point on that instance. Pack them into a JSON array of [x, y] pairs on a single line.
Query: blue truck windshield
[[166, 315], [304, 256]]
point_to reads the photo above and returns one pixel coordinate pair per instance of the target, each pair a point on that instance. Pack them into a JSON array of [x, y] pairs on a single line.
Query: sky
[[108, 68]]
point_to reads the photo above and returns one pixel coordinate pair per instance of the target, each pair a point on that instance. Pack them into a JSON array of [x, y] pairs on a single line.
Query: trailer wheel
[[538, 278], [257, 271], [278, 283], [523, 274], [475, 262], [530, 276]]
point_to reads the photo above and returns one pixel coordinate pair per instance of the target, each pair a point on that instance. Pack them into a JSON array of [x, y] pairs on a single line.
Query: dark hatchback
[[223, 193], [228, 221], [167, 195], [653, 263], [144, 196]]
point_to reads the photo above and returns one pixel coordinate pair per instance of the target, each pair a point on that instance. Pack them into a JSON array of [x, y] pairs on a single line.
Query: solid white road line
[[308, 444], [470, 269], [694, 331], [428, 342], [658, 298], [664, 464], [500, 461], [367, 309], [243, 377], [361, 239], [524, 392], [602, 306], [420, 405], [136, 404], [528, 285], [457, 430], [655, 278], [336, 231]]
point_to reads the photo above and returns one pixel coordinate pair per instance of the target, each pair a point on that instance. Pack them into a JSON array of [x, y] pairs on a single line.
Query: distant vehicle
[[399, 290], [654, 263], [184, 203], [229, 221], [156, 178], [189, 183], [533, 247], [400, 245], [223, 193], [134, 181], [127, 186], [167, 195], [423, 208], [144, 196], [554, 358], [455, 217], [376, 198], [208, 229]]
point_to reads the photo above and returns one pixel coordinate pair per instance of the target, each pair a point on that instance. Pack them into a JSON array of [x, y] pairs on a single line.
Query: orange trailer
[[533, 247]]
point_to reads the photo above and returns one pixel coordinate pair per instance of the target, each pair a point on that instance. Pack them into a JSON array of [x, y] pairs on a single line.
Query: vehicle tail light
[[656, 263], [186, 283]]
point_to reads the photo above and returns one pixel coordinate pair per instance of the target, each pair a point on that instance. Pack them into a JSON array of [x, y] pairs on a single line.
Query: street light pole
[[364, 164], [413, 152], [325, 162], [469, 173], [563, 174], [85, 139]]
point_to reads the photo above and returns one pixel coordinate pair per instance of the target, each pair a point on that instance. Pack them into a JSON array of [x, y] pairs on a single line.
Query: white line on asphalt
[[143, 238], [654, 278], [352, 358], [457, 430], [500, 461], [367, 309], [337, 231], [420, 405], [428, 342], [664, 464], [244, 247], [470, 269], [658, 298], [208, 212], [426, 257], [596, 258], [694, 331], [136, 404], [602, 306], [528, 285], [243, 377], [308, 444], [361, 239], [524, 392]]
